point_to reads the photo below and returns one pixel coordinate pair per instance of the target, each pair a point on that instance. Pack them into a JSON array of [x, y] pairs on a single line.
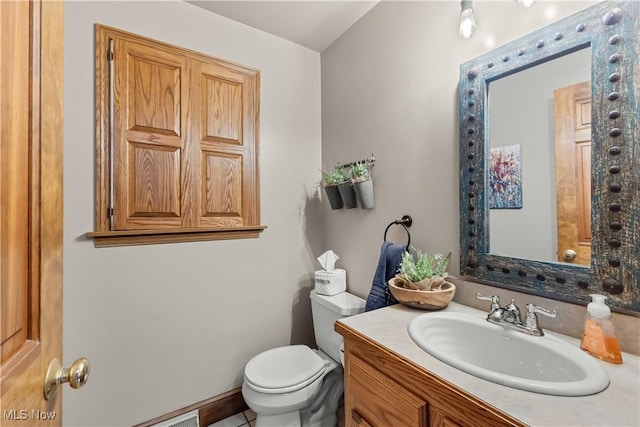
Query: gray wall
[[531, 125], [166, 326], [390, 87]]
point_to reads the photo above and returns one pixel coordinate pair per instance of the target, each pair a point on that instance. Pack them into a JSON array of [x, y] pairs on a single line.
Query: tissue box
[[331, 282]]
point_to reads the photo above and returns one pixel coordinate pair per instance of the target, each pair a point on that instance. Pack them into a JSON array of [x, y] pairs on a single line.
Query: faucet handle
[[532, 309], [495, 300]]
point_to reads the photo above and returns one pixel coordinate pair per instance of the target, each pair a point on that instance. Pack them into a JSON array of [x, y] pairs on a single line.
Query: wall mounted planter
[[364, 193], [333, 194], [348, 195], [356, 184]]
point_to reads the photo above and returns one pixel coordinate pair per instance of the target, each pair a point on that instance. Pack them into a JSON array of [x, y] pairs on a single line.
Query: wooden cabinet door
[[373, 399], [150, 108], [31, 36], [440, 419], [184, 139], [226, 152]]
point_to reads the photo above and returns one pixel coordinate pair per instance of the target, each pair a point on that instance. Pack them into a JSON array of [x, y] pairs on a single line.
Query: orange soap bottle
[[598, 338]]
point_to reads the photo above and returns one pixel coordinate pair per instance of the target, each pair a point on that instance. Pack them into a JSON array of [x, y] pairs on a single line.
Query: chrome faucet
[[510, 317], [512, 313]]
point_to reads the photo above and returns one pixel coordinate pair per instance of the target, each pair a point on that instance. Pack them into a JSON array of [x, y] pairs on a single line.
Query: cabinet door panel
[[149, 105], [154, 102], [155, 181], [380, 400], [222, 187], [222, 110], [227, 109]]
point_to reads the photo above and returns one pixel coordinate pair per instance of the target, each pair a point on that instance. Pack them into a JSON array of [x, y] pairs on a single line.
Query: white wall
[[165, 326], [390, 87]]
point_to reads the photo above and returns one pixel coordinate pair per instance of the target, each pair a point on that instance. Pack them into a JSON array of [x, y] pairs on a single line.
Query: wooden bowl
[[424, 300]]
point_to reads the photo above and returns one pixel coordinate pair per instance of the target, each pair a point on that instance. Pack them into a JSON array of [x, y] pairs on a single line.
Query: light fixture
[[467, 22], [526, 3]]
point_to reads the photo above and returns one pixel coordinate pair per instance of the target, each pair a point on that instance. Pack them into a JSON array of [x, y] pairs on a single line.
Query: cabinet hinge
[[110, 211], [109, 54]]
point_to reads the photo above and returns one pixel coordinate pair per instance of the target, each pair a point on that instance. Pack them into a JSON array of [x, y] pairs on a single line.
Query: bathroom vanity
[[390, 381]]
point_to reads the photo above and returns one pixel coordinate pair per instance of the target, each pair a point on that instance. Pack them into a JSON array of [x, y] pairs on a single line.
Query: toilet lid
[[284, 369]]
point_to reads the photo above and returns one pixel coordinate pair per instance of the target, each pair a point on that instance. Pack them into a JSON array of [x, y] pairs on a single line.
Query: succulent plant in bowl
[[422, 271]]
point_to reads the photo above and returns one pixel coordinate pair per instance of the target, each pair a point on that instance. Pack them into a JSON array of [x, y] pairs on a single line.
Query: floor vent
[[190, 419]]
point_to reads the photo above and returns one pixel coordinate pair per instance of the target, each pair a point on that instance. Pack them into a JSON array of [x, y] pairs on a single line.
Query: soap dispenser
[[598, 338]]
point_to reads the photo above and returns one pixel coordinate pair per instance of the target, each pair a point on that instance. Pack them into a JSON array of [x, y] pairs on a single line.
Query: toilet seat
[[283, 369]]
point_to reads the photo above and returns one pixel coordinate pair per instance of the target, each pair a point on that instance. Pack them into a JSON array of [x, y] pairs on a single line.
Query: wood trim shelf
[[103, 239]]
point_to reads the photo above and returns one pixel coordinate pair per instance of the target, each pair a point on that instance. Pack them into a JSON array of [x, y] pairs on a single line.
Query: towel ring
[[405, 222]]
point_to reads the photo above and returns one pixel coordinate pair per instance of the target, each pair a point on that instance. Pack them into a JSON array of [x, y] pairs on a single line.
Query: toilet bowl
[[296, 386]]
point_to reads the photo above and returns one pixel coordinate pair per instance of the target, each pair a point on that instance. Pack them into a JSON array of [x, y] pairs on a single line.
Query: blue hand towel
[[390, 257]]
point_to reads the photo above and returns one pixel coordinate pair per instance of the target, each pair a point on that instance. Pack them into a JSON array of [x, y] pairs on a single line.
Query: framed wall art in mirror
[[609, 31]]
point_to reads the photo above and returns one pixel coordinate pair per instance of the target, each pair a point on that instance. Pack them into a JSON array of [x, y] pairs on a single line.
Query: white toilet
[[296, 385]]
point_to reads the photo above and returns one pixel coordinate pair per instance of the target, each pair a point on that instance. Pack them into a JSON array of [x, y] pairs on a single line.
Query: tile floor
[[248, 419], [241, 419]]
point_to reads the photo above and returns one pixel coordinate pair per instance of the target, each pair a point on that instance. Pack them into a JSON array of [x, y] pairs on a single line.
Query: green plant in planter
[[421, 266], [332, 181], [361, 171], [345, 186], [363, 183], [330, 178], [341, 174]]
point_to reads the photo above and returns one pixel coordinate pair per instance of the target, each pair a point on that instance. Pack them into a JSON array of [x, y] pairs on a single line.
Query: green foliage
[[342, 173], [422, 266], [329, 178], [336, 176], [361, 171]]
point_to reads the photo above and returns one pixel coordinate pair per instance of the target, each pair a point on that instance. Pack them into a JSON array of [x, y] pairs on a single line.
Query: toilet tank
[[326, 309]]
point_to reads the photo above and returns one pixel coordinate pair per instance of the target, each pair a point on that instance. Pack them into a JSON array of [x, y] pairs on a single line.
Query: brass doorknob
[[569, 254], [77, 376]]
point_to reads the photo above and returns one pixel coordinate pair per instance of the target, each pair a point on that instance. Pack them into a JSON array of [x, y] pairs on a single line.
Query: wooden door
[[572, 110], [31, 53]]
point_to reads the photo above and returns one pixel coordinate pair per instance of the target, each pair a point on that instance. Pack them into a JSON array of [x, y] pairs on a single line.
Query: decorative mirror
[[504, 194]]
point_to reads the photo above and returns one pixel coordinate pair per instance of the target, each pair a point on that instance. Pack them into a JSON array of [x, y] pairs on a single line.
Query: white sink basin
[[544, 364]]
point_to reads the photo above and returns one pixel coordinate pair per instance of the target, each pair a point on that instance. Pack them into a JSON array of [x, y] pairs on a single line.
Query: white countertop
[[617, 406]]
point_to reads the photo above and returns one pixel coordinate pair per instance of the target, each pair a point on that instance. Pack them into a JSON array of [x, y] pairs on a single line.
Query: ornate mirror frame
[[611, 29]]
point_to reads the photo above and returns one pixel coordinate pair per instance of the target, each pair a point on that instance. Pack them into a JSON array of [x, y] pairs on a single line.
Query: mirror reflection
[[609, 31], [538, 178]]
